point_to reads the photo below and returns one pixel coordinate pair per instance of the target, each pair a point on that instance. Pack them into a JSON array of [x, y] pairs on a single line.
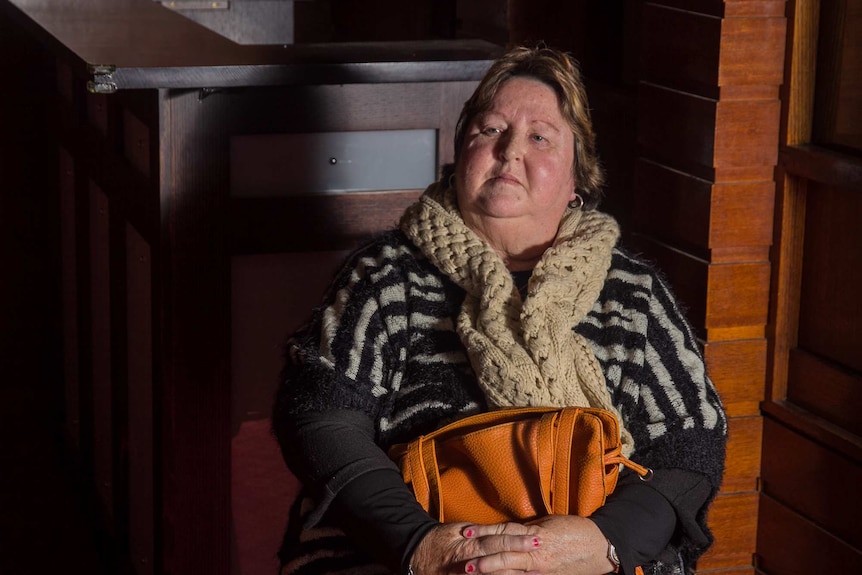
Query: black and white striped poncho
[[383, 342]]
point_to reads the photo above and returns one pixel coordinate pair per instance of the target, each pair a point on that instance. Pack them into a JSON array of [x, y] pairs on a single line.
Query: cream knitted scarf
[[524, 353]]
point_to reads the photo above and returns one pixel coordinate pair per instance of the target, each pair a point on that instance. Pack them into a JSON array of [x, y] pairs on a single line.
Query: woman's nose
[[511, 147]]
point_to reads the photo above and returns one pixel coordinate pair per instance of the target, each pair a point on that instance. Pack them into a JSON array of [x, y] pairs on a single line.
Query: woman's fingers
[[452, 548], [500, 548], [502, 563], [497, 538], [510, 528]]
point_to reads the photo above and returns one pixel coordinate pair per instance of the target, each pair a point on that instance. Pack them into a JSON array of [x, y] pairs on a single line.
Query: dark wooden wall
[[812, 451], [708, 120]]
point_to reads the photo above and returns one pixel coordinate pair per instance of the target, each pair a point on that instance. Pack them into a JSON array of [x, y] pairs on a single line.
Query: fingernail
[[536, 542], [468, 532], [470, 568]]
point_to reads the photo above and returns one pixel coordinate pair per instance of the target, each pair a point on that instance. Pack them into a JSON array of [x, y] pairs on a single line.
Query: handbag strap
[[418, 477], [425, 475], [563, 460], [545, 458], [619, 459]]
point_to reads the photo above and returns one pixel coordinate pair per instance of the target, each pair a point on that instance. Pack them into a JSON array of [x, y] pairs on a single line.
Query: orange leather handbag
[[516, 464]]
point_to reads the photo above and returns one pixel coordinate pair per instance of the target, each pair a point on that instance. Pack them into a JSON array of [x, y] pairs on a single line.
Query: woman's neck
[[519, 247]]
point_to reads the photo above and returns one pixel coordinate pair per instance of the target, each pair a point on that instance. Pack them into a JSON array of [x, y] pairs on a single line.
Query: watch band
[[613, 557]]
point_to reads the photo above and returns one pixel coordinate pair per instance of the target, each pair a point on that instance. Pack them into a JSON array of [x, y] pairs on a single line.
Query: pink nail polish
[[535, 542], [468, 533], [470, 567]]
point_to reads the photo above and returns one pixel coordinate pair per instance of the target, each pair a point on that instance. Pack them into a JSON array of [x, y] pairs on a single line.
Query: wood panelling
[[828, 167], [741, 214], [814, 427], [746, 133], [819, 483], [671, 205], [743, 454], [100, 347], [735, 306], [324, 222], [789, 543], [733, 521], [682, 49], [826, 390], [708, 128], [686, 210], [738, 295], [728, 8], [830, 318], [710, 139], [738, 369], [677, 129], [699, 53], [69, 263], [741, 38], [141, 454]]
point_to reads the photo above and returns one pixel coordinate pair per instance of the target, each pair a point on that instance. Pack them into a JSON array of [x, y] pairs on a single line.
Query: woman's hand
[[453, 548], [566, 544]]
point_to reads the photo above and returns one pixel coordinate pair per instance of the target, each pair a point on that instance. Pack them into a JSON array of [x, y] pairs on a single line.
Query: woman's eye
[[538, 138], [491, 131]]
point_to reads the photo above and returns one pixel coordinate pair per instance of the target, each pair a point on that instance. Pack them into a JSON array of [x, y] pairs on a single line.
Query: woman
[[503, 287]]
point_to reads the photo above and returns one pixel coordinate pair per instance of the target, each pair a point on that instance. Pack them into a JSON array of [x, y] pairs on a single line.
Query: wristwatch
[[613, 557]]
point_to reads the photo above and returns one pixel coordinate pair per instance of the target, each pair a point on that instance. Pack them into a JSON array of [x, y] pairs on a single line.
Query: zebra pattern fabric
[[383, 342]]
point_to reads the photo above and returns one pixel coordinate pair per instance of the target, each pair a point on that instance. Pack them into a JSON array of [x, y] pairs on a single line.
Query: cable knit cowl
[[524, 353]]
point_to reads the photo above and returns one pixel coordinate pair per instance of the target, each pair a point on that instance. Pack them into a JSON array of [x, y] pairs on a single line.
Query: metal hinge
[[103, 79]]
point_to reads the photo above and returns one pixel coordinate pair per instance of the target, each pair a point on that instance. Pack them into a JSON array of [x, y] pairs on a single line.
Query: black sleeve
[[334, 454], [641, 518], [381, 514]]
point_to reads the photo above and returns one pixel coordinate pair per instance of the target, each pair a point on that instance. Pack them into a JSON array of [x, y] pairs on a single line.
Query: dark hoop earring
[[577, 203], [452, 181]]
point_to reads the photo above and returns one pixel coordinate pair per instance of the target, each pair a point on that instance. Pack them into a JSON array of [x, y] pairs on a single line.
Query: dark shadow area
[[45, 519]]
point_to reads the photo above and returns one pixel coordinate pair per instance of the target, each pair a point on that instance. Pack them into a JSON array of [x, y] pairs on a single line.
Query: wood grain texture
[[738, 369], [830, 312], [680, 49], [746, 133], [828, 167], [700, 136], [677, 130], [786, 280], [741, 215], [752, 51], [790, 543], [738, 295], [686, 211], [826, 389], [795, 472], [672, 206], [727, 301], [742, 471], [701, 54], [733, 520]]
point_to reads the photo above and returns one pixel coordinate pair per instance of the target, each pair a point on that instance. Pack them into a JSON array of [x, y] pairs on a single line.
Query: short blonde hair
[[560, 72]]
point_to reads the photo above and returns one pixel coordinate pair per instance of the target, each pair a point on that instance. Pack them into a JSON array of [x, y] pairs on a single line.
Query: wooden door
[[812, 445]]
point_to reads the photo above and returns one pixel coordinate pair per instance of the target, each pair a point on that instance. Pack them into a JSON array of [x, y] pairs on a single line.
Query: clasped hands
[[557, 544]]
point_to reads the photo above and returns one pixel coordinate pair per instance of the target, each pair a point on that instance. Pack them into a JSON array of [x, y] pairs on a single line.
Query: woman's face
[[517, 160]]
